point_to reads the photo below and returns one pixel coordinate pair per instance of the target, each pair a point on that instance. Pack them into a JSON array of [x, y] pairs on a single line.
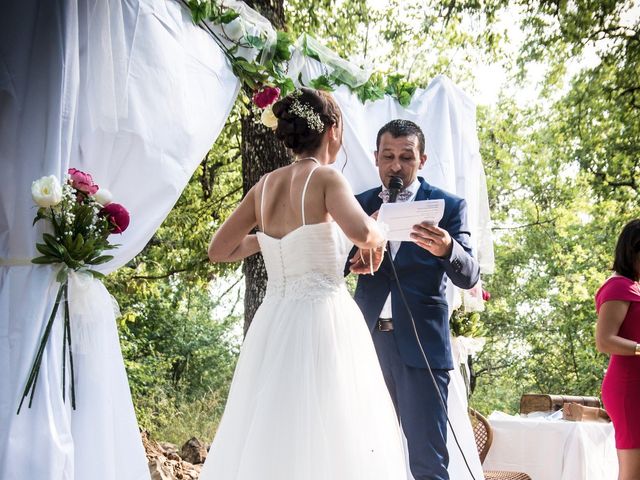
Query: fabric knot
[[403, 195]]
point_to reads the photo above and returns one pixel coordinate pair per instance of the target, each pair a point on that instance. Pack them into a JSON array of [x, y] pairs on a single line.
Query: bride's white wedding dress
[[308, 400]]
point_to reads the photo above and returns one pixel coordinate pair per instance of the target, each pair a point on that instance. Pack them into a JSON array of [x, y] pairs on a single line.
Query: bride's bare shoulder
[[331, 177]]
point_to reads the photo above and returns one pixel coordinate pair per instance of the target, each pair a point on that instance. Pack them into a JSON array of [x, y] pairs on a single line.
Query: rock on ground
[[166, 464]]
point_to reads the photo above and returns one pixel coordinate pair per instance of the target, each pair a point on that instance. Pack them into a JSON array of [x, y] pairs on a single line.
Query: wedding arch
[[135, 93]]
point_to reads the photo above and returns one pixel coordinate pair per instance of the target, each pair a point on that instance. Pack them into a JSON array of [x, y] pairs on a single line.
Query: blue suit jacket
[[423, 278]]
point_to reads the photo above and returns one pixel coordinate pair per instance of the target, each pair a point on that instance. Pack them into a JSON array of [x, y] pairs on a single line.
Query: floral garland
[[82, 218], [268, 77]]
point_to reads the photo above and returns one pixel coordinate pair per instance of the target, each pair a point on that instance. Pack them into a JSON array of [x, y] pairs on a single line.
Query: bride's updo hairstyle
[[303, 118]]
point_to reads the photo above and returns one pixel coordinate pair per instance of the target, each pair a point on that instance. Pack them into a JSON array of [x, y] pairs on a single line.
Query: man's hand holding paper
[[417, 222]]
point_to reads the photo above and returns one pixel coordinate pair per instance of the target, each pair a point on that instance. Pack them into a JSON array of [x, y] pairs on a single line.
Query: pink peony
[[486, 296], [117, 216], [266, 96], [82, 181]]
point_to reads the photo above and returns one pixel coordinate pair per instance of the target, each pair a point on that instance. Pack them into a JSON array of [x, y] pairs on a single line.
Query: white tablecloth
[[548, 449]]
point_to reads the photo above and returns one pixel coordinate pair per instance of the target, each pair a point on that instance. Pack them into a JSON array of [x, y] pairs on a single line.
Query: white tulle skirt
[[308, 400]]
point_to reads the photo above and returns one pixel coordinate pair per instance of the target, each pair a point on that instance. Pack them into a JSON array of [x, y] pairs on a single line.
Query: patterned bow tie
[[403, 195]]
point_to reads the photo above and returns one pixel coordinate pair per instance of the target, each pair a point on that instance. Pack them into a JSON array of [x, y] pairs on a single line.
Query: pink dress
[[621, 384]]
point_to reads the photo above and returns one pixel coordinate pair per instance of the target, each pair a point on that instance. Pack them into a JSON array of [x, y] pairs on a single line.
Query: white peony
[[46, 192], [268, 119], [103, 196], [234, 30]]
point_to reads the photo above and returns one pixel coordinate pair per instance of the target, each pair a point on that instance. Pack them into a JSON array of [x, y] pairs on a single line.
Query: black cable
[[424, 356]]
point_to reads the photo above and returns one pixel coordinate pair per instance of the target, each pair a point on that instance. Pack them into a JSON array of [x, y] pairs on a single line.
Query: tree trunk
[[261, 153]]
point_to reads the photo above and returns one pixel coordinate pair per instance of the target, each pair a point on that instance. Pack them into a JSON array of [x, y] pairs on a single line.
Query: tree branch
[[533, 224]]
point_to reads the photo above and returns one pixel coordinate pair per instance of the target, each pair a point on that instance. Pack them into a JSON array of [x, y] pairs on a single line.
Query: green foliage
[[176, 353], [563, 180], [179, 346]]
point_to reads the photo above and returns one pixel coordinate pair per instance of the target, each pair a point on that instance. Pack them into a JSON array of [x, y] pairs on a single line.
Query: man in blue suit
[[423, 266]]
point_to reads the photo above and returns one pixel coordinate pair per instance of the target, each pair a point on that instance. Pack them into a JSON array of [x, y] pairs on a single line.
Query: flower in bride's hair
[[266, 96], [306, 111], [47, 191], [268, 119], [486, 296]]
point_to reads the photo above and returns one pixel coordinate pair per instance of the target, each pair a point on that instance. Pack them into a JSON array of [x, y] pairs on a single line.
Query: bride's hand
[[367, 261]]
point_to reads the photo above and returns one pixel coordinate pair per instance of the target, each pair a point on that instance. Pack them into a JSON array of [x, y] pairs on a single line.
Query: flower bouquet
[[82, 217]]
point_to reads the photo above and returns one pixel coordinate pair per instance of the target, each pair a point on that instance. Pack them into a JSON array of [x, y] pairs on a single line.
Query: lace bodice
[[307, 263]]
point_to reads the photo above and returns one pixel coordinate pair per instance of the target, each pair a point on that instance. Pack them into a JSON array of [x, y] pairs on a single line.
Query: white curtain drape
[[133, 93]]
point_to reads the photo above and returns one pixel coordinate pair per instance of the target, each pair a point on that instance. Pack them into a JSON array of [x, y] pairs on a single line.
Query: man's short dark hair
[[402, 128], [628, 251]]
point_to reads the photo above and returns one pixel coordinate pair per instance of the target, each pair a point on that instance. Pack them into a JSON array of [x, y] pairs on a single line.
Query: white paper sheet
[[399, 218]]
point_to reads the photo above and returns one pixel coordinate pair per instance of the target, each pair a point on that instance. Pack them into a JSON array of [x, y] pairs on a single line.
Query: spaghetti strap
[[304, 191], [264, 187]]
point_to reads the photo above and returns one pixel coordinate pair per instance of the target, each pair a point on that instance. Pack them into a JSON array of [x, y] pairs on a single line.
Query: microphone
[[395, 185]]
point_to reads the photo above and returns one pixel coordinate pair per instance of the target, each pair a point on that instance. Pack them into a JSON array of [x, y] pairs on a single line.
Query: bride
[[308, 400]]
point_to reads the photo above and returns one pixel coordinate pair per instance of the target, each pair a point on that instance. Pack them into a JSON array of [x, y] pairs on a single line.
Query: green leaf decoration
[[42, 213], [86, 250], [286, 86], [403, 91], [53, 243], [63, 275], [96, 274], [255, 42], [228, 16], [100, 260], [200, 11], [46, 250], [45, 260], [283, 48], [373, 89], [78, 243], [323, 83]]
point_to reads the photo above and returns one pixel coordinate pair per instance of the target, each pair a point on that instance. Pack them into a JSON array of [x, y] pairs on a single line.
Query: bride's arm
[[361, 229], [232, 241]]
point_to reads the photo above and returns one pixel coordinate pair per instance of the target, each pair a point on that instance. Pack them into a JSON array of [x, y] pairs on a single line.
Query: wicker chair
[[484, 437]]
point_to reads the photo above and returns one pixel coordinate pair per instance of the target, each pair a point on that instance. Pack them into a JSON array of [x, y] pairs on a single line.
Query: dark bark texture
[[261, 153]]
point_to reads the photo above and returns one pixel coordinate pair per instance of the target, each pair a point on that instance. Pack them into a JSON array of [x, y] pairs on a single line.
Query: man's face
[[399, 157]]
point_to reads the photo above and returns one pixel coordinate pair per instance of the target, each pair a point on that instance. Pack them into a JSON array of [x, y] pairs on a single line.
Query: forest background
[[558, 91]]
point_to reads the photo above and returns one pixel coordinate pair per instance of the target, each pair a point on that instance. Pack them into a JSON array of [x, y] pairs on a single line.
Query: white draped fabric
[[133, 93], [547, 447], [447, 115]]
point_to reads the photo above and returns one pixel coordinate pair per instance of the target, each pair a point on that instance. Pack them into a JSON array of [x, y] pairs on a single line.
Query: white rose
[[268, 119], [234, 30], [46, 192], [103, 196]]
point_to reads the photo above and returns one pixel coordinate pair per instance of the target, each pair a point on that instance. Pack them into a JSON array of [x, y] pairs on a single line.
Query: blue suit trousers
[[419, 410]]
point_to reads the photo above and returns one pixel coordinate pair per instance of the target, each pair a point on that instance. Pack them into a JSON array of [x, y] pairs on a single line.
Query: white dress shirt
[[395, 246]]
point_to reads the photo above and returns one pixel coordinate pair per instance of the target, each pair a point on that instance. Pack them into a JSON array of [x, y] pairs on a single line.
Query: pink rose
[[486, 296], [266, 96], [82, 181], [117, 216]]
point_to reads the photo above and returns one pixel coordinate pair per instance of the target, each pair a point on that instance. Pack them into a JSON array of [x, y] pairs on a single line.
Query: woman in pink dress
[[618, 334]]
